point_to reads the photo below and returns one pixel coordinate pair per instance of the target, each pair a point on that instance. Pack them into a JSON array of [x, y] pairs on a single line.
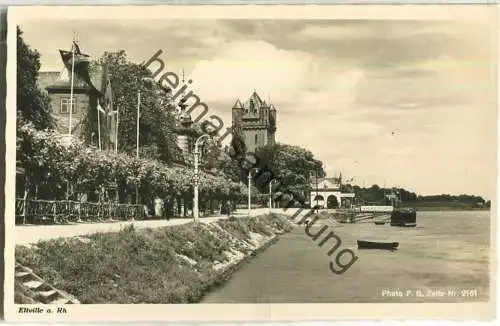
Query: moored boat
[[404, 217], [362, 244], [379, 222]]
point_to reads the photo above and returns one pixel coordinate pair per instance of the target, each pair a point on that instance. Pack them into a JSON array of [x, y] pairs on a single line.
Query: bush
[[258, 225], [237, 228]]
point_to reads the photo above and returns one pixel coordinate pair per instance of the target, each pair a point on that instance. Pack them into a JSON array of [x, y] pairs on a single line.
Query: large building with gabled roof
[[57, 84]]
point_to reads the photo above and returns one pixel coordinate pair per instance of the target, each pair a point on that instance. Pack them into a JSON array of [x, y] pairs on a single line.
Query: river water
[[444, 259]]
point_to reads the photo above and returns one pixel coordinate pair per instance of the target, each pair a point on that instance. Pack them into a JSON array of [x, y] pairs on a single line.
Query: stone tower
[[257, 120]]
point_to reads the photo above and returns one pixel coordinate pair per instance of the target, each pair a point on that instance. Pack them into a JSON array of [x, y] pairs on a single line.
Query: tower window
[[256, 139]]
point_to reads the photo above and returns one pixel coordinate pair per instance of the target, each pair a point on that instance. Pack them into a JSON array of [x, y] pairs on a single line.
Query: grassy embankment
[[176, 264]]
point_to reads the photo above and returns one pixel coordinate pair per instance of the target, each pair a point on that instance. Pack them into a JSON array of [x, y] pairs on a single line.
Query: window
[[256, 139], [65, 105]]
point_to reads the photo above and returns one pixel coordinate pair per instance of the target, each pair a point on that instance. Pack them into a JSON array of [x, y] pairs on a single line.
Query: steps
[[42, 291]]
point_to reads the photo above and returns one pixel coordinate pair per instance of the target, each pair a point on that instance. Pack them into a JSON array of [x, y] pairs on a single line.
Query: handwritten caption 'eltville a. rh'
[[40, 310]]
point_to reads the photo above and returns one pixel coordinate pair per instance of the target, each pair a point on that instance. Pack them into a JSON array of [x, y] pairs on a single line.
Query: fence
[[245, 206], [63, 211]]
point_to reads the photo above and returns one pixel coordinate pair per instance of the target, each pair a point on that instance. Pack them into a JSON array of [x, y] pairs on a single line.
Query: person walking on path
[[167, 207], [158, 202]]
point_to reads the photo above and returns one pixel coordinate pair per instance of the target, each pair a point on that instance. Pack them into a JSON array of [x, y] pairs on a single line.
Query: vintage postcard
[[251, 163]]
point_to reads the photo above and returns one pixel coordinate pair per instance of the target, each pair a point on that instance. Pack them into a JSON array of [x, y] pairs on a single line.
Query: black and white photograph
[[250, 159]]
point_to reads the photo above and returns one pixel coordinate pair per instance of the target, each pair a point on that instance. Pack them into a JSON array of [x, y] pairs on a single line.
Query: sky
[[401, 103]]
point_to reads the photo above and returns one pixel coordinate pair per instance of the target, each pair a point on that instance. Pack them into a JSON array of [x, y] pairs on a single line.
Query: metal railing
[[64, 211]]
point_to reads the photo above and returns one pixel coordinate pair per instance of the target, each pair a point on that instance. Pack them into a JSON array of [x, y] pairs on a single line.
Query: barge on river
[[404, 217]]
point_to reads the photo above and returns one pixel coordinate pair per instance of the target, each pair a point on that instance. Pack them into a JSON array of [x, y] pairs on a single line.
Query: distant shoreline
[[445, 208]]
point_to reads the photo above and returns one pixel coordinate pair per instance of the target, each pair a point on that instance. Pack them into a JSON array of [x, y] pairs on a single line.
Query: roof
[[254, 104], [237, 104], [61, 79], [332, 180], [258, 103], [257, 98], [327, 183], [47, 78]]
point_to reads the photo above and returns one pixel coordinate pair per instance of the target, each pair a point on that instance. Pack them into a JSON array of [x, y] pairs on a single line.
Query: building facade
[[57, 85], [257, 120], [326, 193]]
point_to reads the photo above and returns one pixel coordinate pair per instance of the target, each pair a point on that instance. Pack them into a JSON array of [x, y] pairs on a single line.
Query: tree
[[237, 149], [292, 166], [213, 158], [32, 105], [157, 127]]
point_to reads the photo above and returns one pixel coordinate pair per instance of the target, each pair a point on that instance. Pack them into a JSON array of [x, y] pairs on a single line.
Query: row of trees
[[376, 194], [292, 167], [466, 199], [52, 164]]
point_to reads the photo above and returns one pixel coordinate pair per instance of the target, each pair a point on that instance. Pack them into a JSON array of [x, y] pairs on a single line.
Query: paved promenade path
[[30, 234]]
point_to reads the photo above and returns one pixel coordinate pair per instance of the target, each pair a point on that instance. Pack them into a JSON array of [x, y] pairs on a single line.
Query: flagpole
[[99, 124], [117, 123], [72, 80], [138, 113], [137, 149]]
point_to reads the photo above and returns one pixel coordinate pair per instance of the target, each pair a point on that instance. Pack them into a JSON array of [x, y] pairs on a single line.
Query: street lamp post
[[146, 79], [317, 198], [271, 193], [196, 162], [250, 190]]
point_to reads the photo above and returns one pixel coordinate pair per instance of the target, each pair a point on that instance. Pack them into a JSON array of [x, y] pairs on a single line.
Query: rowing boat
[[377, 245]]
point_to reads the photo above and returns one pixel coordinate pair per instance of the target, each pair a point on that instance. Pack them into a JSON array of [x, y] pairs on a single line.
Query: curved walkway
[[29, 234]]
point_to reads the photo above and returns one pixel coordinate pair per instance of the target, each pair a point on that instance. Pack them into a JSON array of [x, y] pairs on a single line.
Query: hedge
[[50, 160]]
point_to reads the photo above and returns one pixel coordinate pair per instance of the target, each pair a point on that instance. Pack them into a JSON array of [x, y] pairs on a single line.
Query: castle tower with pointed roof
[[257, 120]]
